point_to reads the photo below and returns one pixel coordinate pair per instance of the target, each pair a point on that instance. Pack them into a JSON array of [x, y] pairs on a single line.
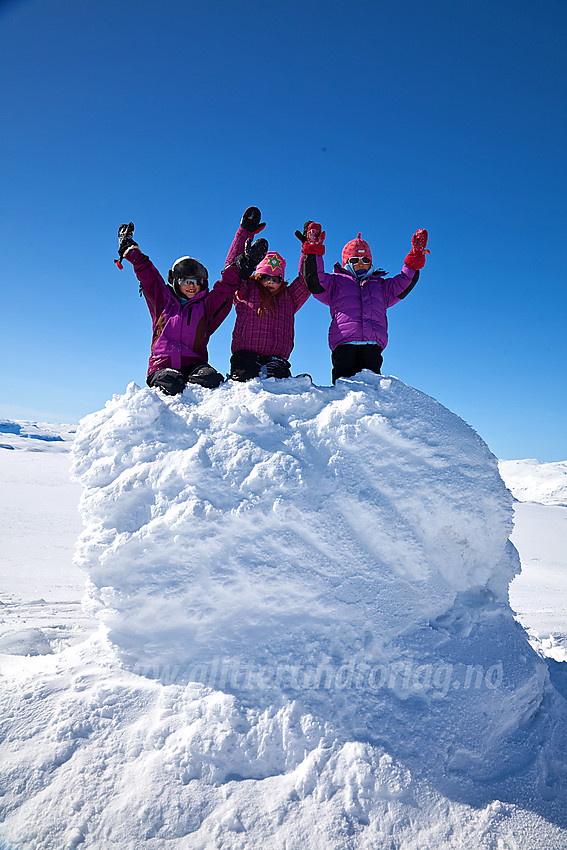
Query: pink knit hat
[[272, 263], [356, 248]]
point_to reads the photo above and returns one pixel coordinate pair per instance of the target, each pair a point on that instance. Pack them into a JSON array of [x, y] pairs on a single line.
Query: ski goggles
[[366, 260], [190, 281]]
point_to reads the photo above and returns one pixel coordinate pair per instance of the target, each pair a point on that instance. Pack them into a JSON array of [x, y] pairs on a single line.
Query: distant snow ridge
[[35, 436], [336, 561], [534, 481]]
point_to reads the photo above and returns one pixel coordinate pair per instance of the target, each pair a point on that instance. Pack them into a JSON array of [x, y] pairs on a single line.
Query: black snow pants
[[247, 364], [350, 359]]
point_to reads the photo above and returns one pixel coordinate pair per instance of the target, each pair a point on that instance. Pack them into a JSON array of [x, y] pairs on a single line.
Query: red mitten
[[416, 257], [314, 239]]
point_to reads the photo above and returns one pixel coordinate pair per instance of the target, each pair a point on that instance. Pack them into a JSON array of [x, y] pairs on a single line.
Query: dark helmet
[[188, 267]]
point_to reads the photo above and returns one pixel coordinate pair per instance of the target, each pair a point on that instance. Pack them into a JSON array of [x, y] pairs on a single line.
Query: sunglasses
[[275, 278], [365, 260], [187, 281]]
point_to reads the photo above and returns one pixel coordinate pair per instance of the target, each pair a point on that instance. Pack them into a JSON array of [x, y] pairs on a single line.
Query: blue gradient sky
[[379, 117]]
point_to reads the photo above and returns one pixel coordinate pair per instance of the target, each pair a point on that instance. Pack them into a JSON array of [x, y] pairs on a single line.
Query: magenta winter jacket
[[358, 308], [181, 331], [267, 332]]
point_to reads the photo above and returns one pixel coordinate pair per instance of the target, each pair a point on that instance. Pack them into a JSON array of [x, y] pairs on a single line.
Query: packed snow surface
[[305, 638]]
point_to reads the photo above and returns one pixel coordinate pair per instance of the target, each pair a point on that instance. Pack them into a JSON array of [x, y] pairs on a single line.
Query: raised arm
[[249, 226], [152, 284], [402, 284], [311, 266], [219, 300], [299, 291]]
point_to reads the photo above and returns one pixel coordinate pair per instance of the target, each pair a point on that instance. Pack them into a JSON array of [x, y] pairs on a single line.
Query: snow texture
[[305, 640]]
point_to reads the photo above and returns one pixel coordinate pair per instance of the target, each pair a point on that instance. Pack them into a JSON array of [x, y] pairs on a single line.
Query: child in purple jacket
[[357, 296], [185, 312], [265, 311]]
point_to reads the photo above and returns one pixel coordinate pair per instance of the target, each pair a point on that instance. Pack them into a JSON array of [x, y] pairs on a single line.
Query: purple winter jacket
[[181, 331], [358, 308]]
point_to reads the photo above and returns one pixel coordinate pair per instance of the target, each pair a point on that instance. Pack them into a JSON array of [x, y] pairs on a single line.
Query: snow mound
[[35, 436], [227, 524], [305, 637], [334, 562], [534, 481]]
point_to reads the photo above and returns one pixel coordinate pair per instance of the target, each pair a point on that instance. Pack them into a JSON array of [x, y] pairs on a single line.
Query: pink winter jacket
[[263, 331]]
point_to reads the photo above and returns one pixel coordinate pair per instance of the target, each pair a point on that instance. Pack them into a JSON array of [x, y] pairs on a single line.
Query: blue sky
[[380, 117]]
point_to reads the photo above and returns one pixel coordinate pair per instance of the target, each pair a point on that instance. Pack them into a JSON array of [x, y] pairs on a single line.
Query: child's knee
[[169, 381], [205, 376], [277, 367], [244, 365]]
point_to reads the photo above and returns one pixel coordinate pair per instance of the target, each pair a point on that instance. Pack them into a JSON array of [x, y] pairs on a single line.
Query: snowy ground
[[113, 758], [41, 589]]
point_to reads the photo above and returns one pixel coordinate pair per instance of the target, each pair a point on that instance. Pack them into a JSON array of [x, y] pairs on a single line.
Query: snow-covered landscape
[[280, 615]]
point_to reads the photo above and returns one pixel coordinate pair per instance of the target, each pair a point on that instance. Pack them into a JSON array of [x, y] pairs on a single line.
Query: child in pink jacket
[[266, 305]]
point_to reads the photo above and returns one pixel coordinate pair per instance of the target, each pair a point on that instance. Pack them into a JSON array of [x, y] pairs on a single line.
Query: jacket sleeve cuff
[[133, 253], [230, 277]]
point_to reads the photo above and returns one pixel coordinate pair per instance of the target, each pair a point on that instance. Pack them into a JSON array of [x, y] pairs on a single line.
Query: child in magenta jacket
[[266, 305], [357, 296], [185, 312]]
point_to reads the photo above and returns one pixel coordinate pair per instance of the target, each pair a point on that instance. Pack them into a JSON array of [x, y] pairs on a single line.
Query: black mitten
[[251, 221], [125, 241], [254, 252], [302, 236]]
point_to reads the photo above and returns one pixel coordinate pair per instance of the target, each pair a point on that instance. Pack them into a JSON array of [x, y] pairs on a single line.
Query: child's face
[[189, 287], [360, 263], [272, 282]]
